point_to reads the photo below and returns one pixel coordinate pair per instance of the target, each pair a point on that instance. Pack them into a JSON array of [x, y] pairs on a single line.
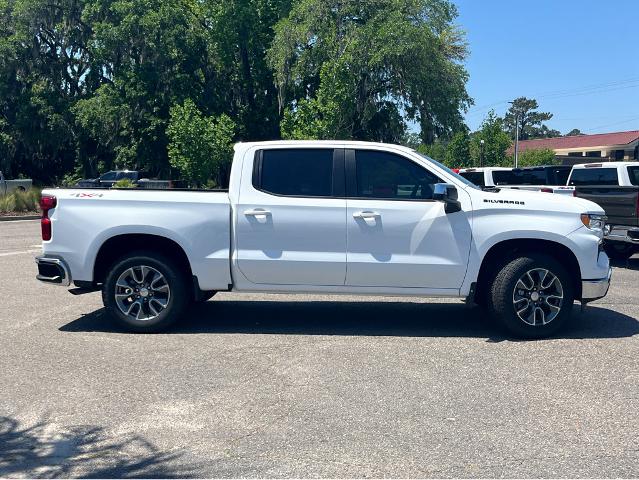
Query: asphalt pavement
[[319, 386]]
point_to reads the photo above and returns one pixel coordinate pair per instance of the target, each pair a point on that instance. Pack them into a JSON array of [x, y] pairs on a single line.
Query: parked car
[[328, 217], [8, 186], [547, 179], [614, 186], [139, 178]]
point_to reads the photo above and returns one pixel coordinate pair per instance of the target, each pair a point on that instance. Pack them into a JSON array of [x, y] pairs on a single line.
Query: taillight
[[47, 202], [546, 190]]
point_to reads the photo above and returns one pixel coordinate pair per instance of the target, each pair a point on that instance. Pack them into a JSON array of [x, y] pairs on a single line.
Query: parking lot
[[322, 386]]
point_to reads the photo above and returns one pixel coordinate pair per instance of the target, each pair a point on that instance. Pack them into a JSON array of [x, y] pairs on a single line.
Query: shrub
[[19, 201], [124, 183]]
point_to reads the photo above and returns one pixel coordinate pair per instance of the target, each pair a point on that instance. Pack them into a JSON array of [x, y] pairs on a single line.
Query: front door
[[397, 235], [291, 218]]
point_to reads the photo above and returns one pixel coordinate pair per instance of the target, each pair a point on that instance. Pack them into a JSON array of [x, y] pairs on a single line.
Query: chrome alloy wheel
[[142, 292], [538, 297]]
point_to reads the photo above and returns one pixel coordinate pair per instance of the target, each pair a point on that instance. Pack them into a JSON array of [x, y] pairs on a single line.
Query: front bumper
[[594, 289], [620, 233], [53, 270]]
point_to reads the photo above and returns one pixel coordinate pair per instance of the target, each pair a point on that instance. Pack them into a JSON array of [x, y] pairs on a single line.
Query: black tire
[[177, 298], [619, 250], [501, 297]]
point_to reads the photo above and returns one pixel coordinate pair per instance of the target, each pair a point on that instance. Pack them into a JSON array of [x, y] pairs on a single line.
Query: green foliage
[[125, 183], [530, 120], [496, 142], [573, 132], [20, 202], [352, 69], [458, 151], [88, 86], [435, 150], [200, 147], [535, 157]]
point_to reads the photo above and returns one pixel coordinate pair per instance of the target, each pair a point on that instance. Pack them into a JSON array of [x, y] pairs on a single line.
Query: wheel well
[[501, 251], [120, 245]]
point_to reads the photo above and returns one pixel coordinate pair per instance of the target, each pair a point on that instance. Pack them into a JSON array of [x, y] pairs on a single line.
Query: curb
[[23, 217]]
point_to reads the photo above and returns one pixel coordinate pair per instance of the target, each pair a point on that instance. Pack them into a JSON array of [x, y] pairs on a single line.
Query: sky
[[578, 58]]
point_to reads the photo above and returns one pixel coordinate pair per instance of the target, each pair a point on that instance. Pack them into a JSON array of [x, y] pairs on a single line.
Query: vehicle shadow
[[45, 450], [630, 264], [362, 319]]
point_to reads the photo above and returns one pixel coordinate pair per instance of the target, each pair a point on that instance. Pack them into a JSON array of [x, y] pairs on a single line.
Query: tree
[[530, 120], [436, 150], [496, 142], [200, 147], [574, 132], [535, 157], [458, 151], [352, 69]]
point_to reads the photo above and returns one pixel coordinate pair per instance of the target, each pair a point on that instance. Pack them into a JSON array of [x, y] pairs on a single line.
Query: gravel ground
[[299, 386]]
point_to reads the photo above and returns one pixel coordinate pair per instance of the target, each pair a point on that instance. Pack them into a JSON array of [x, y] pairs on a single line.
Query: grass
[[20, 202]]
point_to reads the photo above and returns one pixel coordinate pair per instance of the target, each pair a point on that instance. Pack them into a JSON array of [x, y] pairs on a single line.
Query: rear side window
[[475, 177], [388, 176], [594, 176], [301, 172], [520, 177], [633, 173]]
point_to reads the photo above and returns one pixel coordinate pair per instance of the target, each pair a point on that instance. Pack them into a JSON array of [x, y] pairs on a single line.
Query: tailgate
[[619, 203]]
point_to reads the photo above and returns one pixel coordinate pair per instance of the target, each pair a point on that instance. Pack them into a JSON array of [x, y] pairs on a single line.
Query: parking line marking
[[6, 254]]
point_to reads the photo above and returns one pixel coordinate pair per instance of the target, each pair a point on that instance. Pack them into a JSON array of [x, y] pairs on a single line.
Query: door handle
[[257, 213], [366, 214]]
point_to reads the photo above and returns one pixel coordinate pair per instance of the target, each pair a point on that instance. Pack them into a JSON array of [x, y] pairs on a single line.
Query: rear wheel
[[532, 296], [145, 292]]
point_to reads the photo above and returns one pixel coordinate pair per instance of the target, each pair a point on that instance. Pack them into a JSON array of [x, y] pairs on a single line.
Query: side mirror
[[447, 193]]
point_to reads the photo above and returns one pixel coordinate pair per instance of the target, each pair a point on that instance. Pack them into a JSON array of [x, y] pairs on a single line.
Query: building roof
[[578, 142]]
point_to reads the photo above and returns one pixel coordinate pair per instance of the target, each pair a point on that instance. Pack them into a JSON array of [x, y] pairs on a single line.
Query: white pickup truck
[[328, 217], [547, 179]]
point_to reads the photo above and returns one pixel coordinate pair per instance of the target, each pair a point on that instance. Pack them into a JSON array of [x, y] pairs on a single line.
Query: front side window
[[594, 176], [558, 175], [129, 175], [300, 172], [387, 176], [109, 176]]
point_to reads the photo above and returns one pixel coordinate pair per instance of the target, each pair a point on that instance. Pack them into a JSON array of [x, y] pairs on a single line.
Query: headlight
[[593, 221]]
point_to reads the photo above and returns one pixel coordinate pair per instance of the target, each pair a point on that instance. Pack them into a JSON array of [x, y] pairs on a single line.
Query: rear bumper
[[621, 233], [53, 270], [594, 289]]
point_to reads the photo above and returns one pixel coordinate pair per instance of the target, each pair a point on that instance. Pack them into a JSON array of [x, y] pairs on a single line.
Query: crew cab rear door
[[398, 236], [291, 218]]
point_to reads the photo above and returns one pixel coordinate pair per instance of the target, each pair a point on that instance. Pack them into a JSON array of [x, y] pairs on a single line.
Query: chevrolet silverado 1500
[[328, 217]]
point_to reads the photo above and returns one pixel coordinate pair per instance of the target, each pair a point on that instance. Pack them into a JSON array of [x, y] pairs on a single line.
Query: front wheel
[[145, 292], [532, 296]]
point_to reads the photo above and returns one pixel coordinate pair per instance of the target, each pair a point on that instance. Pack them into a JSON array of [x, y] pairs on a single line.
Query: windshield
[[448, 170]]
